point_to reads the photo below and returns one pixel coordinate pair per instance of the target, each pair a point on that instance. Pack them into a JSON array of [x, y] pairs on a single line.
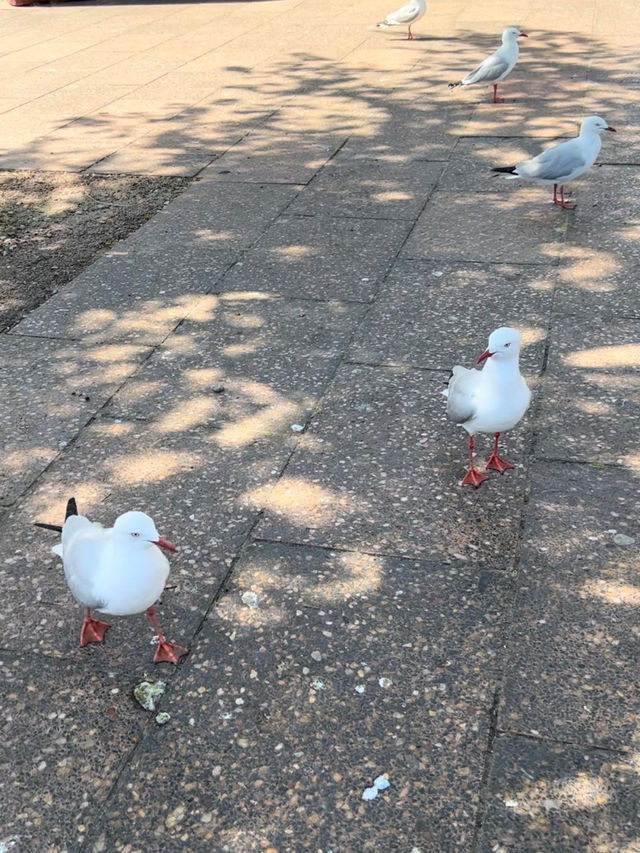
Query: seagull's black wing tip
[[72, 508]]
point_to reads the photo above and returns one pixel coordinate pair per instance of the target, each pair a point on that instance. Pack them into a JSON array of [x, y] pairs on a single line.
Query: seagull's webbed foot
[[93, 630], [168, 652], [473, 477], [495, 463]]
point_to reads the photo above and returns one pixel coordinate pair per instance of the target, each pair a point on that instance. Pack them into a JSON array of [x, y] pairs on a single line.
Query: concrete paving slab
[[469, 168], [130, 296], [67, 732], [597, 283], [140, 290], [258, 367], [447, 311], [360, 186], [592, 392], [572, 649], [280, 721], [559, 798], [50, 390], [521, 224], [271, 157], [320, 257], [381, 466]]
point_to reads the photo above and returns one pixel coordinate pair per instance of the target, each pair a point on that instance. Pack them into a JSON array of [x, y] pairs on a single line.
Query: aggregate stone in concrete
[[320, 257], [446, 311], [67, 730], [381, 471], [300, 693], [571, 660], [591, 394], [273, 157], [553, 798], [517, 225], [49, 390], [192, 487], [258, 368]]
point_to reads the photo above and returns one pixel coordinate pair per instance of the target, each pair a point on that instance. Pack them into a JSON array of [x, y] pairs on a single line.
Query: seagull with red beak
[[491, 400], [119, 570], [564, 162], [498, 65]]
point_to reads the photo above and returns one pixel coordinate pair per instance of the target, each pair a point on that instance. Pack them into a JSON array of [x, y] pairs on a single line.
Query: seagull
[[118, 570], [564, 162], [490, 400], [496, 67], [408, 14]]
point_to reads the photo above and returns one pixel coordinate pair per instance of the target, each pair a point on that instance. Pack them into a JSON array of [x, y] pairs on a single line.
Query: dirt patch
[[53, 224]]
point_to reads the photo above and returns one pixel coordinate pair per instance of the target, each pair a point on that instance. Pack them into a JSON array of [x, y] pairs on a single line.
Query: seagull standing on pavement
[[118, 570], [564, 162], [491, 400], [408, 14], [497, 66]]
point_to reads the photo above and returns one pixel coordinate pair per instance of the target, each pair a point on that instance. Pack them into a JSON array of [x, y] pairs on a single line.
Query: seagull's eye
[[507, 345], [135, 534]]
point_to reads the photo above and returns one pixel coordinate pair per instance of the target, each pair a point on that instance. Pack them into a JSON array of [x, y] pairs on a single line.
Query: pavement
[[259, 367]]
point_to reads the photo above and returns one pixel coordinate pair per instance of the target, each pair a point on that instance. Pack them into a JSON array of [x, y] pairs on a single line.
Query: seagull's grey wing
[[494, 66], [555, 163], [404, 15], [460, 403]]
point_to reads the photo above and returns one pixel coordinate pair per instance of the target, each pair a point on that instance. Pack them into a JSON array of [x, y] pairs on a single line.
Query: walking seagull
[[497, 66], [491, 400], [408, 14], [564, 162], [118, 570]]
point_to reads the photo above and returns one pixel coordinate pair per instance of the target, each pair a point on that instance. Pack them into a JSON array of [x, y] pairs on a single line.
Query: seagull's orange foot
[[495, 463], [93, 631], [473, 477], [168, 652], [565, 205]]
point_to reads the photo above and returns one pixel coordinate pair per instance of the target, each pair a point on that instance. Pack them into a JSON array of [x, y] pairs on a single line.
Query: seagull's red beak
[[162, 543], [523, 35], [612, 129], [485, 354]]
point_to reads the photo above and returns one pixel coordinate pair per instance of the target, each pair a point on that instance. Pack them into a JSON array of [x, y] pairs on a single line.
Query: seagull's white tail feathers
[[383, 25], [57, 549]]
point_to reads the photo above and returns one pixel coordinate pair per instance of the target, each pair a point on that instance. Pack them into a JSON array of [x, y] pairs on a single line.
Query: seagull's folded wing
[[404, 15], [493, 67], [554, 163], [460, 402]]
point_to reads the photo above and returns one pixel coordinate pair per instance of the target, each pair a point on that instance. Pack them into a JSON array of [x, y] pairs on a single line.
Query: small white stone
[[385, 682], [297, 427], [370, 793]]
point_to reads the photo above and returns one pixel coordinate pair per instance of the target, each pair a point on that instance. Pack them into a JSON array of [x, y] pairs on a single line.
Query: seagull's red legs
[[93, 630], [410, 36], [494, 462], [496, 99], [555, 197], [473, 477], [565, 205], [166, 652]]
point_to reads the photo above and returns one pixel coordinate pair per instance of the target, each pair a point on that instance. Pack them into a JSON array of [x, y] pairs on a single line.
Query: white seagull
[[118, 570], [491, 400], [408, 14], [497, 66], [564, 162]]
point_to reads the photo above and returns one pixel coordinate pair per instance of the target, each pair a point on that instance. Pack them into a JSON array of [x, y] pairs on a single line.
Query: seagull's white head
[[594, 124], [139, 531], [504, 344], [511, 34]]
